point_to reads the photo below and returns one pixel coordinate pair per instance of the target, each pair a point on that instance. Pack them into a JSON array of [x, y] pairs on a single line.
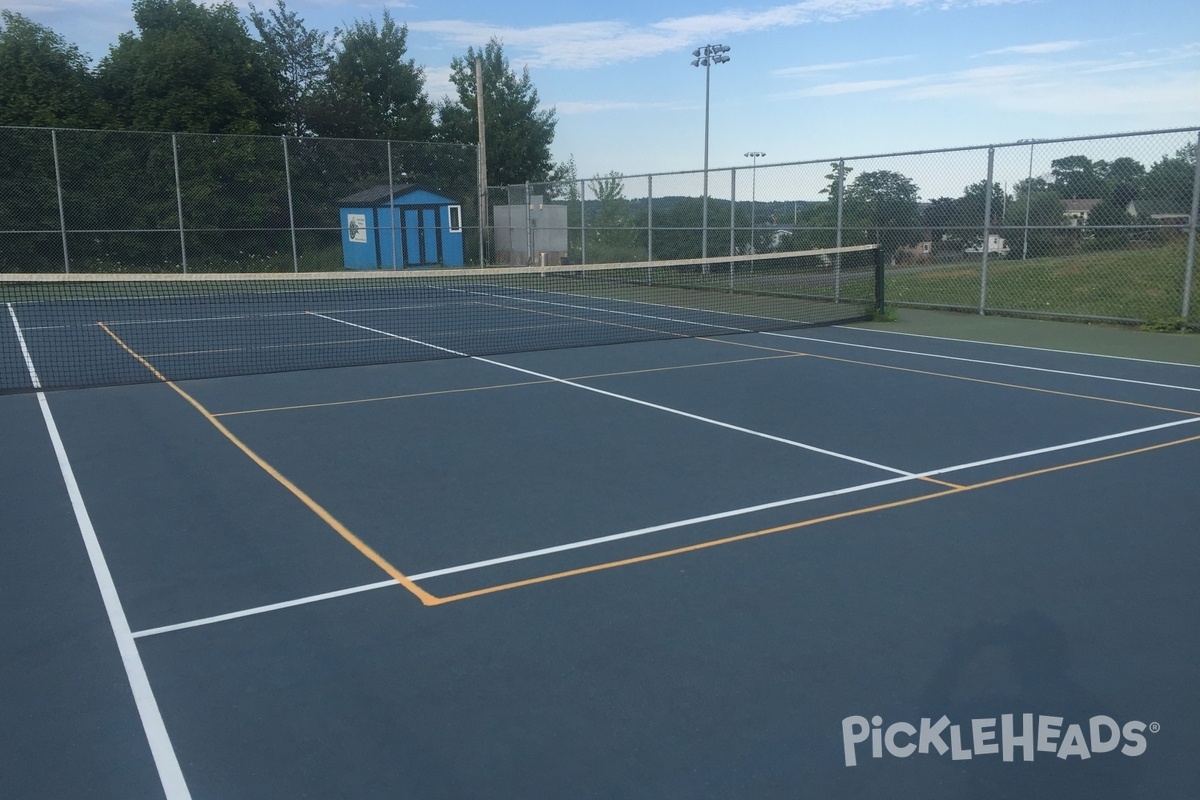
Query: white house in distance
[[1077, 211], [995, 246]]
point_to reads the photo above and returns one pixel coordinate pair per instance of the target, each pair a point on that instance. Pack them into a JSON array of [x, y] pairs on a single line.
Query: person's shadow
[[1017, 667]]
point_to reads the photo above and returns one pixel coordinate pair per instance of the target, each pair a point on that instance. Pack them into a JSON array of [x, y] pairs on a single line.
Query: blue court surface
[[822, 563]]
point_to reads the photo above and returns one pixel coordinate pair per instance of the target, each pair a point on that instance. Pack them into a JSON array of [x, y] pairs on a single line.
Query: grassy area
[[1138, 285]]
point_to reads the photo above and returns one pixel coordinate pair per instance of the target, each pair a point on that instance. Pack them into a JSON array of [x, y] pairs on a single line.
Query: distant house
[[995, 246], [1077, 211], [1159, 212], [919, 253]]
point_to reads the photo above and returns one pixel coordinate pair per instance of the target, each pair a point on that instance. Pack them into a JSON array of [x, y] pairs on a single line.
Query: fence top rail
[[265, 136], [864, 157]]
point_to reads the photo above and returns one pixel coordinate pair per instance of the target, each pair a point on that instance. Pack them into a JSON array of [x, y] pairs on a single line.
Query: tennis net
[[80, 330]]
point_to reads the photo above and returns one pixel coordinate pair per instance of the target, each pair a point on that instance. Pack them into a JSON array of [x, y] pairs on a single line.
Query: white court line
[[529, 554], [315, 598], [794, 501], [1021, 347], [982, 361], [577, 307], [634, 400], [165, 760]]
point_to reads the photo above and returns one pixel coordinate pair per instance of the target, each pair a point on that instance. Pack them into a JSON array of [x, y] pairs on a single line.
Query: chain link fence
[[134, 202], [1099, 228]]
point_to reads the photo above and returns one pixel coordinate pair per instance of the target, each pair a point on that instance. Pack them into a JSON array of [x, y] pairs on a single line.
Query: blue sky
[[806, 80]]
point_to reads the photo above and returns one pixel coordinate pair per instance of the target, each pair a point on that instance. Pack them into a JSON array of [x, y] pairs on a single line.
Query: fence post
[[1190, 266], [62, 216], [391, 203], [483, 201], [880, 303], [583, 222], [837, 258], [987, 227], [179, 203], [732, 217], [1028, 200], [287, 174], [528, 227], [649, 217]]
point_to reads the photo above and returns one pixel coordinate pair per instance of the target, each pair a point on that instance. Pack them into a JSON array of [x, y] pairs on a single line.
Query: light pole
[[705, 57], [754, 155]]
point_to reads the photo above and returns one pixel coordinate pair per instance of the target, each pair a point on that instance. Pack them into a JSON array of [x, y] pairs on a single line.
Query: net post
[[880, 303]]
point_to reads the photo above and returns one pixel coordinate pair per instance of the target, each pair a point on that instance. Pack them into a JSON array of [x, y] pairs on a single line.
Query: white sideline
[[1021, 347], [981, 361], [165, 760]]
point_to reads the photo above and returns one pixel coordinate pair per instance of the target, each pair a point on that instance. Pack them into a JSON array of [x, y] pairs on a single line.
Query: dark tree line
[[198, 68]]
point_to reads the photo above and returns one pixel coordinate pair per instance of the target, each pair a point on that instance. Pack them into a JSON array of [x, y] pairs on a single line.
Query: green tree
[[373, 92], [518, 134], [838, 173], [1106, 218], [610, 223], [941, 216], [971, 205], [1045, 233], [44, 80], [886, 202], [300, 59], [190, 68], [1169, 182], [1077, 177], [1122, 180]]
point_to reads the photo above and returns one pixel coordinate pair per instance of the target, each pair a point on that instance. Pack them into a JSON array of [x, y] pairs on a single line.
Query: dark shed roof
[[379, 194]]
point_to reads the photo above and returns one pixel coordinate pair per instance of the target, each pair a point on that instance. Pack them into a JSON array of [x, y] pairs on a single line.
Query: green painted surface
[[1078, 337]]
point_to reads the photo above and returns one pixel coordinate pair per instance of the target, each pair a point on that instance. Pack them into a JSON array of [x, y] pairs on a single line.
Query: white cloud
[[584, 45], [851, 87], [1040, 48], [836, 66]]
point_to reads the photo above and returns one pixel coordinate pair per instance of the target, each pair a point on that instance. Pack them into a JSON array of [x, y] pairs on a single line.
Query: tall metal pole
[[705, 57], [704, 201], [754, 155]]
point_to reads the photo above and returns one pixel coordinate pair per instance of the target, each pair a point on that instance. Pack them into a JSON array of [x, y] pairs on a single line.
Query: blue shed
[[396, 227]]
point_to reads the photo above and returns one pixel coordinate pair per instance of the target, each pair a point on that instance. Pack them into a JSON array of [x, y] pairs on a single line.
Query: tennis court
[[722, 560]]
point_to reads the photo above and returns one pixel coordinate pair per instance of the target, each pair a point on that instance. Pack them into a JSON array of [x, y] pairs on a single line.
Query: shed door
[[422, 242]]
